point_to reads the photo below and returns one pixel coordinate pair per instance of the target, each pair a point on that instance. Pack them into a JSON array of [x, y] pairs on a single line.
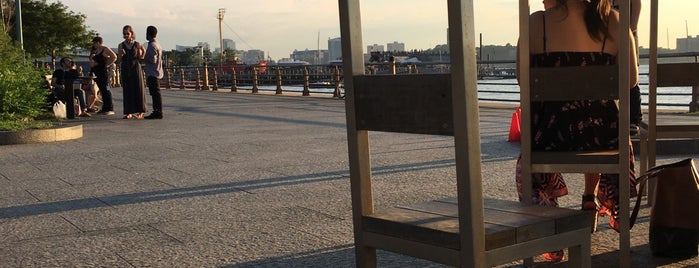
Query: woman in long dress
[[132, 83]]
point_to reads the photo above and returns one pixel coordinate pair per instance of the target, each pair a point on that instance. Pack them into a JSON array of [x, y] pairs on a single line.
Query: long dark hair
[[597, 18]]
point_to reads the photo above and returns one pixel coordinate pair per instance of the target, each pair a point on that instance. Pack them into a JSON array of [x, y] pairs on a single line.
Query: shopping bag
[[515, 130], [674, 221], [59, 110]]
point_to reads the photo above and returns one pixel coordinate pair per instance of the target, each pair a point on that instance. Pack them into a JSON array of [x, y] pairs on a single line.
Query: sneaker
[[155, 115], [107, 113]]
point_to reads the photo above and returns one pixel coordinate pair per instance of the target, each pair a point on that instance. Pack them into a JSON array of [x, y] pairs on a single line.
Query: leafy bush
[[22, 97]]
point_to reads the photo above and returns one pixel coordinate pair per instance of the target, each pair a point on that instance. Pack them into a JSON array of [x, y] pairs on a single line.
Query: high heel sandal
[[553, 256], [589, 203]]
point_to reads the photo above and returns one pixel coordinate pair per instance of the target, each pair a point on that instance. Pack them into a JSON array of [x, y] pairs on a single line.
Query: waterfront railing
[[496, 82]]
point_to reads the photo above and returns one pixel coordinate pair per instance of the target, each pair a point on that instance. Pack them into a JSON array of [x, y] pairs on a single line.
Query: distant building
[[228, 44], [374, 48], [334, 49], [689, 44], [252, 56], [310, 56], [204, 45], [395, 47]]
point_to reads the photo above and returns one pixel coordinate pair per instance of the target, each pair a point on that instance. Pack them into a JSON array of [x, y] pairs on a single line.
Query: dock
[[244, 180]]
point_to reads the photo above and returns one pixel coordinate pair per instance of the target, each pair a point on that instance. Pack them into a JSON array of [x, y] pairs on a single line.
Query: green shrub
[[22, 97]]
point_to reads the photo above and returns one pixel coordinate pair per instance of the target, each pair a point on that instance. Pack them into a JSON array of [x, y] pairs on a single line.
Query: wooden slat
[[574, 83], [506, 222], [404, 103], [678, 74]]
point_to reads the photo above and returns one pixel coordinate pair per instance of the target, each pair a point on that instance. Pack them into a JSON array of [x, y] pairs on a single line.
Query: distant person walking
[[102, 56], [154, 71], [130, 53]]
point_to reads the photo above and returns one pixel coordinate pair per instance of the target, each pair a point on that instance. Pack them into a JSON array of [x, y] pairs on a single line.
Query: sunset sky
[[281, 26]]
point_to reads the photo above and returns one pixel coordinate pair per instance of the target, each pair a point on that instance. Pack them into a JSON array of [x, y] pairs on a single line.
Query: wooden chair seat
[[507, 223]]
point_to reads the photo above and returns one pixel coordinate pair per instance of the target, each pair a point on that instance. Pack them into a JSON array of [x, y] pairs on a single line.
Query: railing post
[[182, 84], [206, 77], [234, 82], [215, 88], [255, 89], [279, 81], [336, 92], [168, 79], [306, 82], [197, 85], [694, 105]]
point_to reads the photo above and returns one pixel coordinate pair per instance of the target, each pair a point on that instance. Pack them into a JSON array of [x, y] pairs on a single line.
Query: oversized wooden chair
[[545, 84], [465, 231], [664, 75]]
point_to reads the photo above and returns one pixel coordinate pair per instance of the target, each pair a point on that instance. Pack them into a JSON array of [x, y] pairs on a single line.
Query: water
[[507, 91]]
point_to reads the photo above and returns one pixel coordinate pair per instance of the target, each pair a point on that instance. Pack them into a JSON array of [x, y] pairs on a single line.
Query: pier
[[236, 179]]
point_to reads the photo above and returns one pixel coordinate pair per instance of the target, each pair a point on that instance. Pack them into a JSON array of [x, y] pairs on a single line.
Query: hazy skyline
[[278, 27]]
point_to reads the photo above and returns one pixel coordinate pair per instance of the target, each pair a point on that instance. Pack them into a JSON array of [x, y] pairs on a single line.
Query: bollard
[[234, 82], [182, 85], [255, 89], [197, 85], [206, 77], [415, 69], [336, 92], [306, 82], [168, 79], [279, 81], [393, 67], [215, 88]]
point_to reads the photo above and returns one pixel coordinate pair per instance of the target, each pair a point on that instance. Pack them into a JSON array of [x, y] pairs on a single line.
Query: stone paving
[[238, 180]]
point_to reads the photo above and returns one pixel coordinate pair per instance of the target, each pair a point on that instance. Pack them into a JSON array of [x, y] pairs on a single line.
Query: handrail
[[313, 77]]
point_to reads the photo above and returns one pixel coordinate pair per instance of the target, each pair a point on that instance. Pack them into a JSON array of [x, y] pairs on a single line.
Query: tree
[[54, 30], [7, 9]]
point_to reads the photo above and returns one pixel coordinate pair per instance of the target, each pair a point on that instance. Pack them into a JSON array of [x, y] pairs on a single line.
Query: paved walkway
[[237, 180]]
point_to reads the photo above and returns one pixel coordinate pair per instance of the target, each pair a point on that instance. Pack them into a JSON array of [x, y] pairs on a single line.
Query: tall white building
[[395, 47], [374, 48], [334, 49]]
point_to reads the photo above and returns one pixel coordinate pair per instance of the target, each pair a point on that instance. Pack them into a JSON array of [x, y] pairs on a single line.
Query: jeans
[[154, 89]]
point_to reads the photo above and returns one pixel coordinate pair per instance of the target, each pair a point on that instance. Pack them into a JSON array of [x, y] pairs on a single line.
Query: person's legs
[[154, 89], [103, 85], [635, 108], [589, 198]]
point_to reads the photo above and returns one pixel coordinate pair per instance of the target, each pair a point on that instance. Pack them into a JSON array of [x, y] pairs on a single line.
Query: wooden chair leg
[[579, 256]]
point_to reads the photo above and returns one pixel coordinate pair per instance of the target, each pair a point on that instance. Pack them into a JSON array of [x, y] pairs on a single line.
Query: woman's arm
[[109, 56]]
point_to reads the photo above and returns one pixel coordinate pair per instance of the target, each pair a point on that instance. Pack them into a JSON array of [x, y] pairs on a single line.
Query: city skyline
[[279, 27]]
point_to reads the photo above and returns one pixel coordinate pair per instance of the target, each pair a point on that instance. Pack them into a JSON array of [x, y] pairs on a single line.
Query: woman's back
[[563, 29]]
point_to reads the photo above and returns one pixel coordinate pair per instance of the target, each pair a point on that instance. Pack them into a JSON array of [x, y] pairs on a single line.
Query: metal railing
[[327, 79]]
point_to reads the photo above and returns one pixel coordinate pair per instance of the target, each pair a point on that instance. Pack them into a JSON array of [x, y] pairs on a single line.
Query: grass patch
[[22, 125]]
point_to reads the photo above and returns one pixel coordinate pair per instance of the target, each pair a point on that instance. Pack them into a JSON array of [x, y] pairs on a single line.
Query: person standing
[[131, 53], [635, 105], [100, 57], [154, 71]]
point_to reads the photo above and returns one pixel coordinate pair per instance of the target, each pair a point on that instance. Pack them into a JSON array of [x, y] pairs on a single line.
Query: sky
[[279, 27]]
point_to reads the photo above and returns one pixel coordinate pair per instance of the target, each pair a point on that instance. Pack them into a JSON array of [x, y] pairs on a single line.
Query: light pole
[[221, 11], [18, 15]]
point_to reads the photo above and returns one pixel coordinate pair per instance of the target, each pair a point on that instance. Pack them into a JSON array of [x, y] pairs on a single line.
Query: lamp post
[[18, 15]]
